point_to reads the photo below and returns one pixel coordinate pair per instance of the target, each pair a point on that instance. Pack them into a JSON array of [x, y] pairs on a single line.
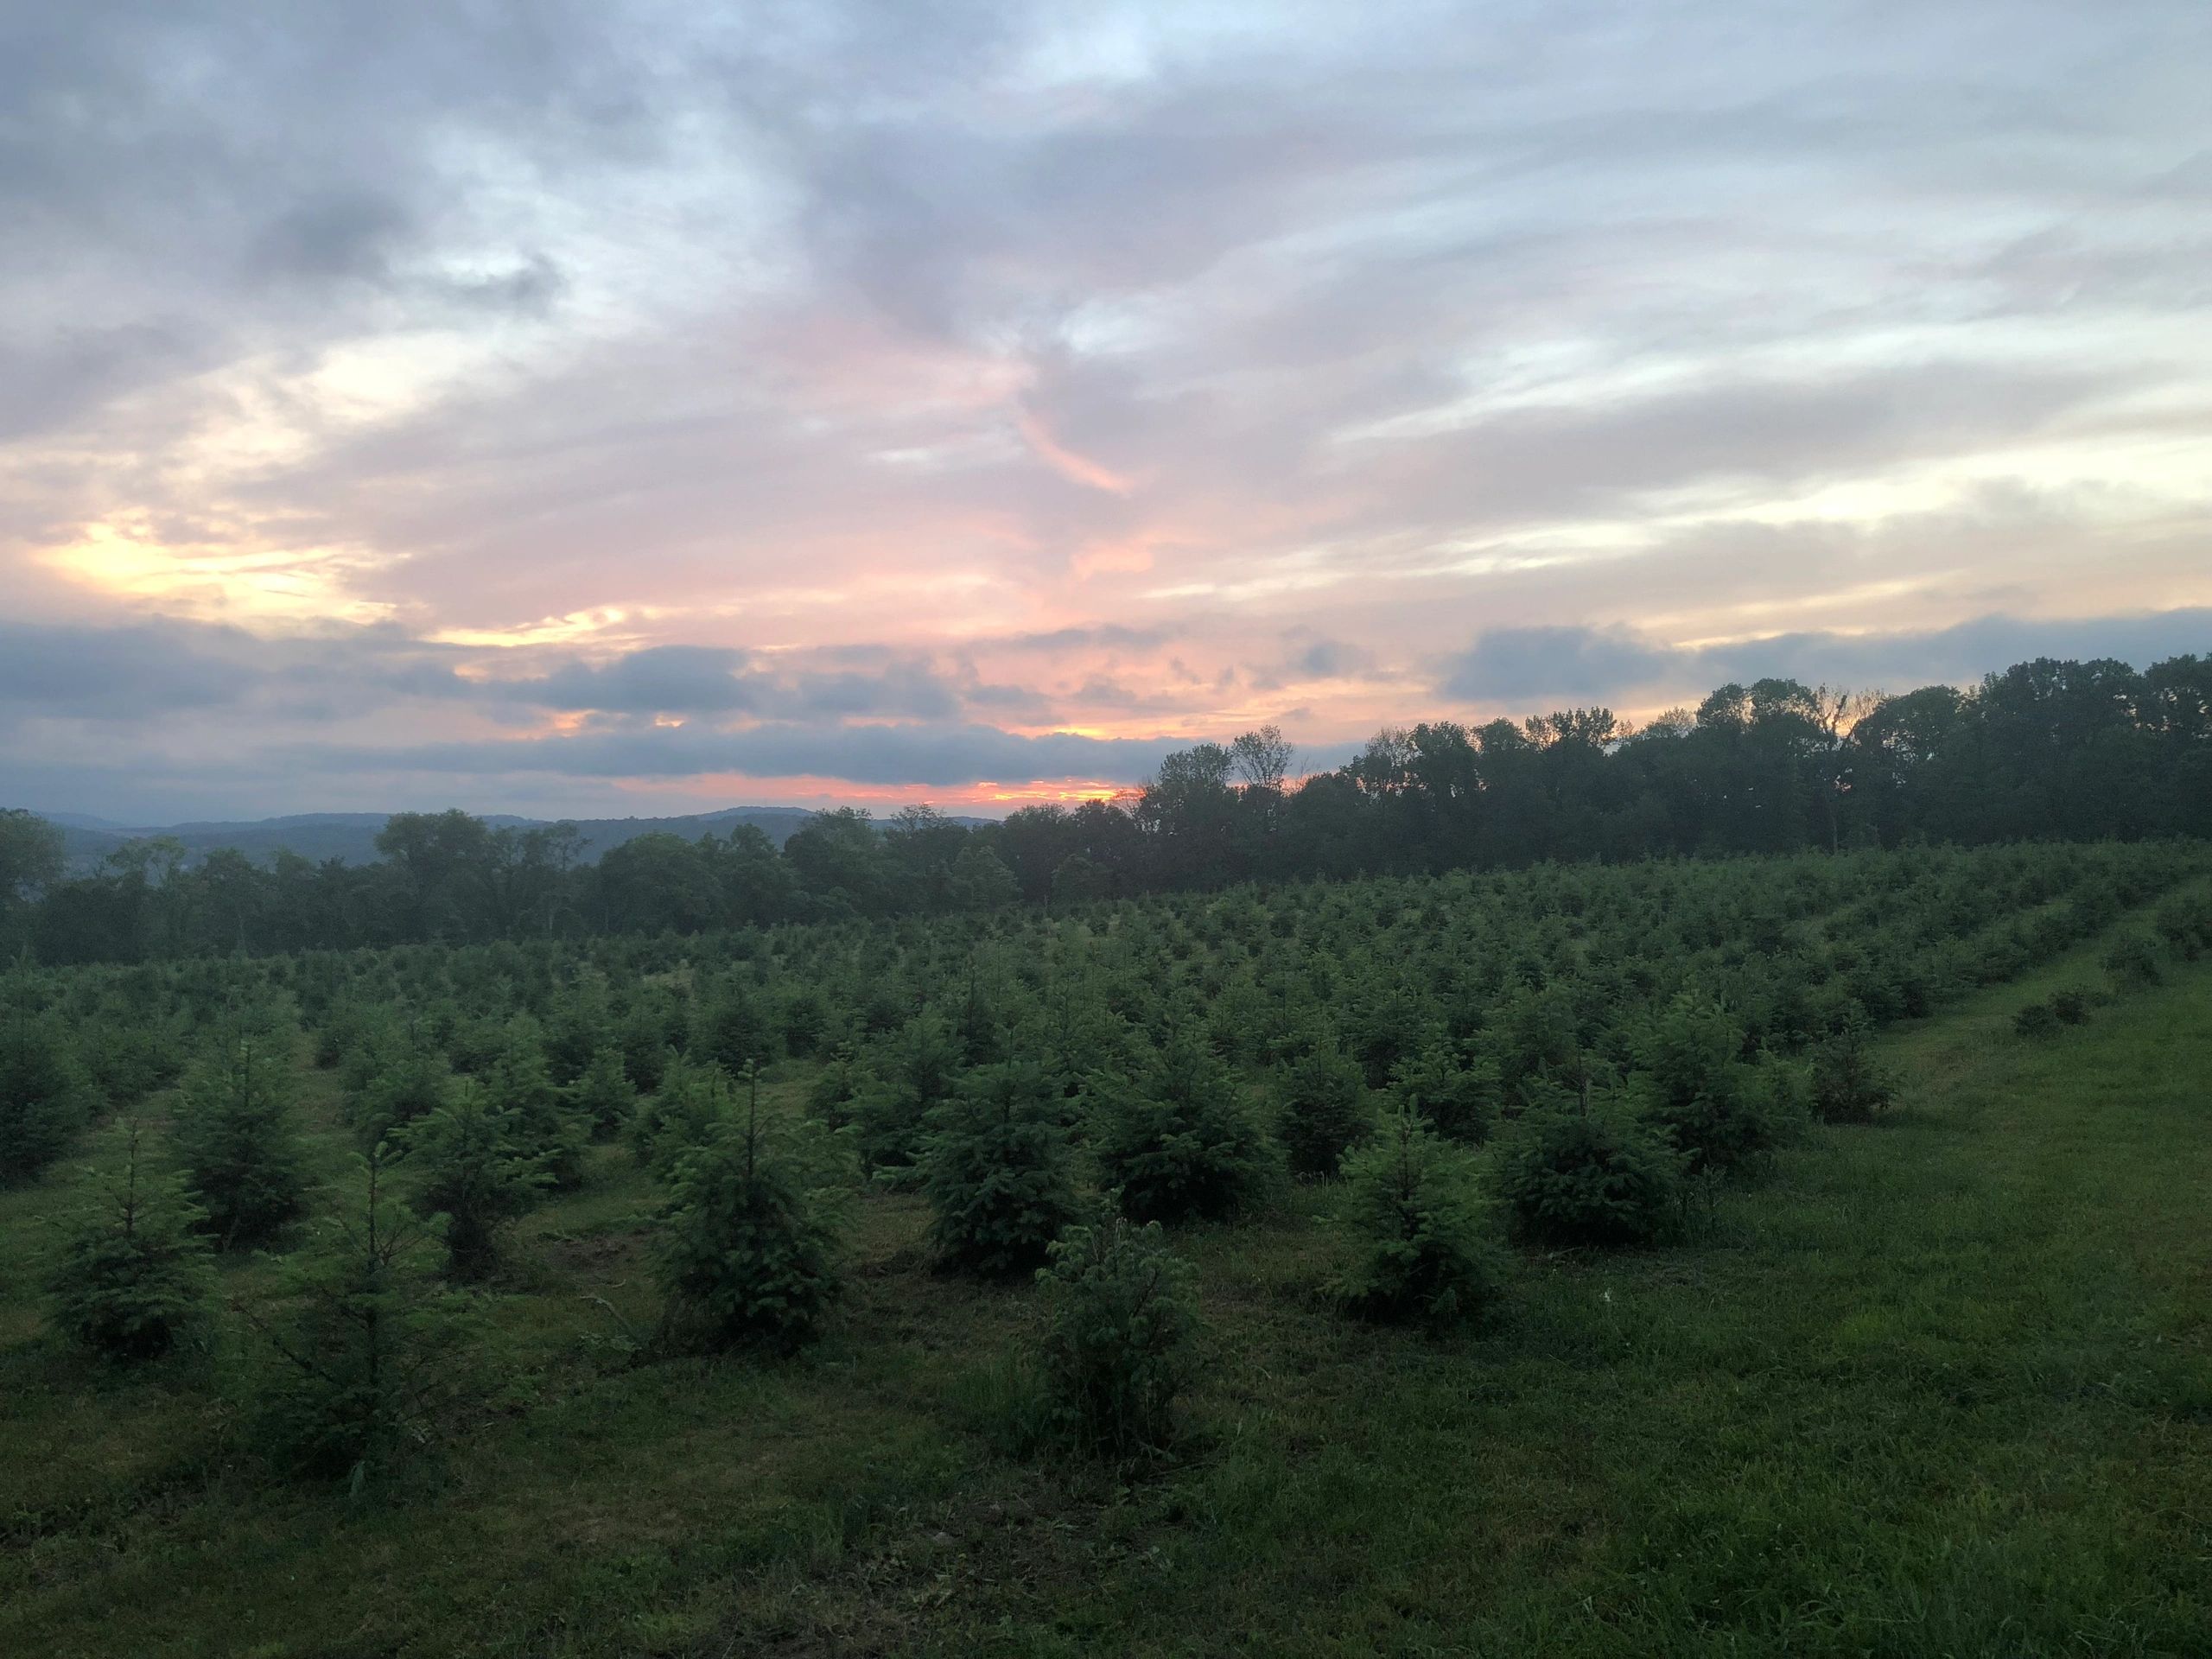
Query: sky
[[610, 406]]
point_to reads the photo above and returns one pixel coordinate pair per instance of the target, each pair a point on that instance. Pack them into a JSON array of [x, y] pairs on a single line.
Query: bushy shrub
[[365, 1343], [1124, 1314], [235, 1133], [997, 1171], [1415, 1213], [134, 1276], [1576, 1176], [2036, 1019], [2070, 1007], [44, 1100], [748, 1246], [1321, 1108], [470, 1168], [1849, 1086], [1177, 1140]]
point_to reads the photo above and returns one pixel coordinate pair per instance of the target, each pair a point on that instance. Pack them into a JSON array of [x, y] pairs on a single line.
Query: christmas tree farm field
[[1936, 1384]]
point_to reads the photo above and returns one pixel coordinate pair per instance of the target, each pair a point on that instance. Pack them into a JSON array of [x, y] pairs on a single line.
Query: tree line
[[2046, 749]]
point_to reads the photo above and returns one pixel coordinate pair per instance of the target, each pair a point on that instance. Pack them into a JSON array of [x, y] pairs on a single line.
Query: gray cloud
[[1510, 666], [936, 756]]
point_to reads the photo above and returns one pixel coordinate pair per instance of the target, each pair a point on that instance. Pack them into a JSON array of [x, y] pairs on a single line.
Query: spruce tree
[[1573, 1174], [471, 1168], [1691, 1082], [603, 1096], [1179, 1140], [1849, 1086], [547, 1125], [240, 1147], [1321, 1109], [365, 1341], [750, 1243], [1457, 1095], [997, 1170], [1118, 1350], [134, 1276], [1414, 1210], [44, 1100]]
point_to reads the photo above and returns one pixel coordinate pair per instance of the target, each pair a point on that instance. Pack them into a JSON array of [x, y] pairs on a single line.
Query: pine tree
[[1413, 1209], [471, 1168], [1179, 1140], [235, 1132], [134, 1276], [1118, 1351], [997, 1170], [748, 1247], [44, 1100], [365, 1340]]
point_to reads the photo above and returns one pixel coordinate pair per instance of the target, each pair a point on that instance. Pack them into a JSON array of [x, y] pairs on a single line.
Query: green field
[[1939, 1385]]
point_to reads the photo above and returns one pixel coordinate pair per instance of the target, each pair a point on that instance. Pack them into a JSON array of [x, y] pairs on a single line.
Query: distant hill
[[351, 837]]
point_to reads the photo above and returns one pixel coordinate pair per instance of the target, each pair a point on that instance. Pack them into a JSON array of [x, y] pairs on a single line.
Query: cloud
[[935, 755], [1510, 666], [128, 673]]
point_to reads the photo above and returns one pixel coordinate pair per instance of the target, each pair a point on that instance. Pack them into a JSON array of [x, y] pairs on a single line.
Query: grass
[[1939, 1386]]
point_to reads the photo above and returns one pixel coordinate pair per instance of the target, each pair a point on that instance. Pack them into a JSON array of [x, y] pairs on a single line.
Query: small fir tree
[[679, 1116], [890, 1113], [235, 1132], [1177, 1140], [1321, 1109], [1457, 1096], [1414, 1214], [749, 1245], [548, 1126], [44, 1100], [997, 1170], [1573, 1175], [603, 1095], [1118, 1349], [1691, 1083], [1849, 1086], [470, 1168], [365, 1340], [134, 1276]]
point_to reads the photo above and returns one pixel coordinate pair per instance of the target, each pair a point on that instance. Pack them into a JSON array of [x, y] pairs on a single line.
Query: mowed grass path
[[1941, 1386]]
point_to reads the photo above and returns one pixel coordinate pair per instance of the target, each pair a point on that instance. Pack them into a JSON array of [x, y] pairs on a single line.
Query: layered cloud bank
[[552, 407]]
